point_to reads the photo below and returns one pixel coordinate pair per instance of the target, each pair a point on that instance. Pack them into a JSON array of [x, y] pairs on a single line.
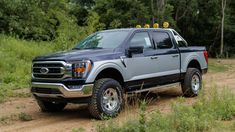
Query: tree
[[122, 13], [223, 7]]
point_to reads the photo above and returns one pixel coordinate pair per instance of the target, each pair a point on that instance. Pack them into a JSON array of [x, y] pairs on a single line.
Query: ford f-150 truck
[[110, 63]]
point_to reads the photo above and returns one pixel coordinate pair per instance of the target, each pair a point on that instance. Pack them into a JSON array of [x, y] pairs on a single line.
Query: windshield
[[100, 40]]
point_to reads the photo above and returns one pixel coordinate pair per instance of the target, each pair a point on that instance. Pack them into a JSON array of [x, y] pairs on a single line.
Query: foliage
[[8, 119], [201, 116], [25, 117], [15, 65], [29, 19], [65, 21]]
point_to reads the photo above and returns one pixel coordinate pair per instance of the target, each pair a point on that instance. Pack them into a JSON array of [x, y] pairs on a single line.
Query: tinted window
[[141, 39], [162, 40], [182, 44]]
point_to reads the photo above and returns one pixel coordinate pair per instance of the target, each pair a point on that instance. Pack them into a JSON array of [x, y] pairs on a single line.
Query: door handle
[[175, 55], [154, 57]]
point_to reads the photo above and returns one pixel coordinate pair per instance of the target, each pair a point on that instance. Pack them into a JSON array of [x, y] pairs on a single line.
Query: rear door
[[168, 57]]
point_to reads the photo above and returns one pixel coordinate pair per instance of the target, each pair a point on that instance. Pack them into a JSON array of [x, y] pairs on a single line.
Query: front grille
[[48, 65], [49, 70], [45, 90], [47, 76]]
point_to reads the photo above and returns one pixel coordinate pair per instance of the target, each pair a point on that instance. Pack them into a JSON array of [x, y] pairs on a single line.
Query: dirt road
[[76, 117]]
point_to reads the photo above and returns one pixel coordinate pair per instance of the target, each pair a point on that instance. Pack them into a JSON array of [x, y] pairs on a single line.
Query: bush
[[25, 117]]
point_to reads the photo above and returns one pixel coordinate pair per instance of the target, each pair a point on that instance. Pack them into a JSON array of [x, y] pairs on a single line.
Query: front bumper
[[58, 90]]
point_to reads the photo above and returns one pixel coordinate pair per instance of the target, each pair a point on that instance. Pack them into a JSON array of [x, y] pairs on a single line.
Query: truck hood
[[76, 55]]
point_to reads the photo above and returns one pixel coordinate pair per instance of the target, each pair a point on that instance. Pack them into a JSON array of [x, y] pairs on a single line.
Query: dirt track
[[77, 116]]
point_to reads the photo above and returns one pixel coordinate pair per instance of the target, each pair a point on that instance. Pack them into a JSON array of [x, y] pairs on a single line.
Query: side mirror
[[135, 50]]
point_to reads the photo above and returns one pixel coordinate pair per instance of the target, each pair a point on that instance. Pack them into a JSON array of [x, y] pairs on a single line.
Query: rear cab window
[[162, 40]]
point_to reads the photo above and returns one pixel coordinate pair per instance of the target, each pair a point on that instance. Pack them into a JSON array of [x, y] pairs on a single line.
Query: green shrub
[[25, 117], [219, 103]]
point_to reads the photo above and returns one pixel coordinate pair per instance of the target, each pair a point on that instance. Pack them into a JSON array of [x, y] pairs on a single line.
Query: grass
[[25, 117], [216, 66], [16, 60], [207, 114], [15, 117], [8, 119], [78, 130], [15, 65]]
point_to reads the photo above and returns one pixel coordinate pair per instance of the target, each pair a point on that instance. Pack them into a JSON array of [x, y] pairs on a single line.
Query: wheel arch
[[111, 73], [107, 70], [194, 63]]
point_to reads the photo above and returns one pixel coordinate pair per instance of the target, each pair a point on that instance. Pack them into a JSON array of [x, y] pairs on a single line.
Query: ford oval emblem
[[44, 70]]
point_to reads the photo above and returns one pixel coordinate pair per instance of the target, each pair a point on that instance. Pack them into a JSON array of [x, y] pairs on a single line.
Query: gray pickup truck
[[110, 63]]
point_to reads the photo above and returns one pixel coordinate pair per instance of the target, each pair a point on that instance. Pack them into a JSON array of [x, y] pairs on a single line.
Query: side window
[[182, 44], [180, 41], [162, 40], [141, 39]]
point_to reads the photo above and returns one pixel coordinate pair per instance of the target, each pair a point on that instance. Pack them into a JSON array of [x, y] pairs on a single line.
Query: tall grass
[[202, 115], [15, 64], [216, 66]]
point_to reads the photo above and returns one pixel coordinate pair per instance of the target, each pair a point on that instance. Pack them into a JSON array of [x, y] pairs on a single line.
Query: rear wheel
[[192, 82], [47, 106], [107, 98]]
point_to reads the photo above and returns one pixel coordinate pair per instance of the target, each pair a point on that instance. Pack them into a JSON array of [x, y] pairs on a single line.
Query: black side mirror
[[135, 50]]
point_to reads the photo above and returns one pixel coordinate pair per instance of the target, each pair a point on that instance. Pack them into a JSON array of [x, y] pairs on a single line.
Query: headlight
[[81, 69]]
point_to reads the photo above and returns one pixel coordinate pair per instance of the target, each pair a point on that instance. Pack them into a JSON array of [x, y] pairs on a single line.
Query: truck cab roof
[[139, 29]]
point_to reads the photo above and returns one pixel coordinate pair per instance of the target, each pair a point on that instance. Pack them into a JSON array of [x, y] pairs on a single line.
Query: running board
[[160, 88]]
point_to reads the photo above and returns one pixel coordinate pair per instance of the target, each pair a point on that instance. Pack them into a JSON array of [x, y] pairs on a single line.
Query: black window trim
[[177, 34], [155, 45]]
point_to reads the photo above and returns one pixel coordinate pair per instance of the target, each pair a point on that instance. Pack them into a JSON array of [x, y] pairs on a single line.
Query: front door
[[142, 66]]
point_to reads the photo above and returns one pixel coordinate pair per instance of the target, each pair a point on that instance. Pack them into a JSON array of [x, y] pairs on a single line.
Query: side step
[[160, 88]]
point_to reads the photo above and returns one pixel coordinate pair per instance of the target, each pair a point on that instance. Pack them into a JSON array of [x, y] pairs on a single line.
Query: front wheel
[[192, 82], [107, 98]]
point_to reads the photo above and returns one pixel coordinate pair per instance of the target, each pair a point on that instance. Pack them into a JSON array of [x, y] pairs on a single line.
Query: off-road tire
[[47, 106], [187, 85], [96, 106]]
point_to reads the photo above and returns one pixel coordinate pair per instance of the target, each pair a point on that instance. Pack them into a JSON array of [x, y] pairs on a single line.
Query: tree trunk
[[223, 4], [152, 10], [160, 10]]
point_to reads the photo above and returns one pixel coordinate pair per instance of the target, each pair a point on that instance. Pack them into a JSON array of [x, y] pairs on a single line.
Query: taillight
[[206, 56]]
